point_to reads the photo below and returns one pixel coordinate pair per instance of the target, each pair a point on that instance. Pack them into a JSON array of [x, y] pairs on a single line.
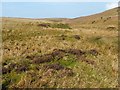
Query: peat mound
[[60, 53]]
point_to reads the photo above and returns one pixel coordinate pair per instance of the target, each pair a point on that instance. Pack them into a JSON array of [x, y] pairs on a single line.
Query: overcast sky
[[54, 9]]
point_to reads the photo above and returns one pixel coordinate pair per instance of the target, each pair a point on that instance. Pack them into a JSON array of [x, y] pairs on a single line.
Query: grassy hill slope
[[106, 18], [45, 53]]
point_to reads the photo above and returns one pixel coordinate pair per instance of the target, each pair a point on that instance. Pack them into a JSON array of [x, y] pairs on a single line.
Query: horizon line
[[55, 17]]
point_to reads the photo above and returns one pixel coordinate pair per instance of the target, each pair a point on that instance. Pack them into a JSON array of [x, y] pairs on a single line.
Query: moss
[[68, 61]]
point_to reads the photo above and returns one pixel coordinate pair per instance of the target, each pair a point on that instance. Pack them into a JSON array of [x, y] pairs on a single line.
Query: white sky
[[111, 5], [60, 0]]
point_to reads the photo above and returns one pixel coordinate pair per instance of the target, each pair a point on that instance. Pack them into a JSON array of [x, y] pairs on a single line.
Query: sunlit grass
[[23, 39]]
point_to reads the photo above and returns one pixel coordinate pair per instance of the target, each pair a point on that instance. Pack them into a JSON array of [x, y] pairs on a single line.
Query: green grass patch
[[68, 61], [61, 25], [10, 79]]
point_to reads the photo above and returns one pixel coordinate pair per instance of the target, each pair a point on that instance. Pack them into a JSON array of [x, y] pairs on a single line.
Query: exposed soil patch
[[43, 59], [30, 57], [5, 70], [111, 27], [8, 69], [62, 37], [66, 72], [12, 66], [46, 25], [77, 37], [54, 66], [75, 52], [21, 68], [4, 63], [93, 52], [89, 61], [58, 54]]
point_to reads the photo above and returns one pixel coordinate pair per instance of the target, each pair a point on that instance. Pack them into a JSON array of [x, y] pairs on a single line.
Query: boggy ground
[[61, 57], [50, 63], [55, 57]]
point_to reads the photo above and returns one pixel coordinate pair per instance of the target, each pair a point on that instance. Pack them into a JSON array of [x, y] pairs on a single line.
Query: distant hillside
[[109, 17], [100, 20]]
